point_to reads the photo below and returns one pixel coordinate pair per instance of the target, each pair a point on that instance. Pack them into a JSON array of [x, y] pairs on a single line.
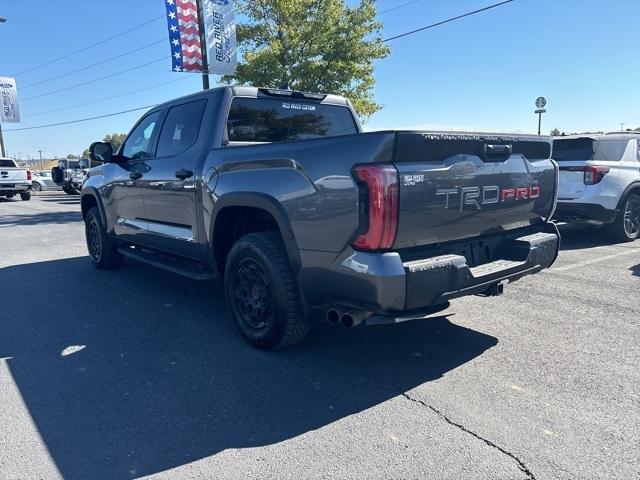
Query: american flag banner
[[184, 35]]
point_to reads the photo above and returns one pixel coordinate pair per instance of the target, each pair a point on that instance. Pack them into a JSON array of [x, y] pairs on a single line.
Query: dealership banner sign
[[9, 100], [220, 34]]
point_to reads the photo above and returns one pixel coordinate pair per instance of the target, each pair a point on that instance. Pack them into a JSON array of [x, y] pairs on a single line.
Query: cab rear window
[[277, 120]]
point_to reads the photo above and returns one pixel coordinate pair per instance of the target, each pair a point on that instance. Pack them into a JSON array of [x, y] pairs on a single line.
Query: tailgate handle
[[496, 153]]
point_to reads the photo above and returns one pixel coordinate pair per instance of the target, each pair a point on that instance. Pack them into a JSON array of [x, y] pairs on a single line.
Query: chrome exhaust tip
[[353, 318], [334, 314]]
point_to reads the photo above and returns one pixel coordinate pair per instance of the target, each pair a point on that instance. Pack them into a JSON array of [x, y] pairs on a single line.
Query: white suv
[[600, 181]]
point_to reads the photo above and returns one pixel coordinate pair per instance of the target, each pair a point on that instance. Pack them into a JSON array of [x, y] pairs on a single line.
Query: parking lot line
[[595, 260]]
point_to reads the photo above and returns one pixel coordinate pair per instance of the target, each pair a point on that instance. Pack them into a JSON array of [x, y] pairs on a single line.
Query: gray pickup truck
[[282, 195]]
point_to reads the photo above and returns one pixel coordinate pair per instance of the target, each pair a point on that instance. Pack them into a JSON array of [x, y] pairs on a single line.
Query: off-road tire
[[102, 248], [626, 226], [57, 175], [25, 196], [279, 306]]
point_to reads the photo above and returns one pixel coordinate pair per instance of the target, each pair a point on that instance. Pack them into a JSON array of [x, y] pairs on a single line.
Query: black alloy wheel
[[262, 292]]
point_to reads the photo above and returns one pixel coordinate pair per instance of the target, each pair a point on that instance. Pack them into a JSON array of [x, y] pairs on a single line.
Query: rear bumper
[[14, 187], [584, 212], [75, 182], [384, 283]]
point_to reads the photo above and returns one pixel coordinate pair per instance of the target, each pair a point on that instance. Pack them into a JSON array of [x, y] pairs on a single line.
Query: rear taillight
[[379, 206], [28, 174], [593, 175]]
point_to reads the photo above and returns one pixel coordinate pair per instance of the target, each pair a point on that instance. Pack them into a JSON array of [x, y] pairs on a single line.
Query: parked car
[[600, 181], [282, 195], [14, 180], [42, 181], [69, 174]]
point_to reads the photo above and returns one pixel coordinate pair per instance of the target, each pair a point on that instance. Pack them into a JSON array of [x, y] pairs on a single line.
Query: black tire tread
[[295, 324], [111, 258], [616, 229]]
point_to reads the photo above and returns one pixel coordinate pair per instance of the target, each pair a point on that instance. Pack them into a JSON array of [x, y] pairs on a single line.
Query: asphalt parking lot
[[139, 373]]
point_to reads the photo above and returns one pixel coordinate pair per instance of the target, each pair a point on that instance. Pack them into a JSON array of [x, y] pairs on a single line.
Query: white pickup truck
[[14, 180]]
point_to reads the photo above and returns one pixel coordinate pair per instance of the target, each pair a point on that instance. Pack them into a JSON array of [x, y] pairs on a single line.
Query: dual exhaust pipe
[[347, 317]]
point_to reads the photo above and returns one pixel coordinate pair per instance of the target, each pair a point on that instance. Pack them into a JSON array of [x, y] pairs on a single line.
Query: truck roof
[[248, 91]]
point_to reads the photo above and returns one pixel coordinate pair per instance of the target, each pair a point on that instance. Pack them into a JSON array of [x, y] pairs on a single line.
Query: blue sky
[[479, 73]]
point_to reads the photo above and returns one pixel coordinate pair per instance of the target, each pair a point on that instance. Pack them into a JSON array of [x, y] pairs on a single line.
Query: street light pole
[[41, 167]]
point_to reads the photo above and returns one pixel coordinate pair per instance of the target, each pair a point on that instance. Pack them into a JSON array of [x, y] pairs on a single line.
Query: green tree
[[555, 132], [115, 139], [311, 45], [636, 129], [71, 156]]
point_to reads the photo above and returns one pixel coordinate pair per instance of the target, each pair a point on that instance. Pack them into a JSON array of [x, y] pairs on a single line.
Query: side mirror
[[101, 152]]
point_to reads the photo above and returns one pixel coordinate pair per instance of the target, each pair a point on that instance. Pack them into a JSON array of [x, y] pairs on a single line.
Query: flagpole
[[203, 46], [2, 141]]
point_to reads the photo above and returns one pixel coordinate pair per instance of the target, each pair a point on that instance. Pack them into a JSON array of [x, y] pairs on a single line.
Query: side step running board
[[184, 267]]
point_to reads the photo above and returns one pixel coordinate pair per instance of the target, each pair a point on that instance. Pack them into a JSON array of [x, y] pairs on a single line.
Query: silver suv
[[600, 181]]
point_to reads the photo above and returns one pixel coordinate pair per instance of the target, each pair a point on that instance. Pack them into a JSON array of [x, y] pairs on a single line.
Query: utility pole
[[203, 46], [40, 152], [622, 126]]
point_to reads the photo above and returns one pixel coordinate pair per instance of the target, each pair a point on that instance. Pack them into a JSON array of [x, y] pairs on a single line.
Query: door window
[[138, 144], [180, 129]]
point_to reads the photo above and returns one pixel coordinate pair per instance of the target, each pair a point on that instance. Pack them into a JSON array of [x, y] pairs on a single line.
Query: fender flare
[[93, 192], [633, 186], [265, 202]]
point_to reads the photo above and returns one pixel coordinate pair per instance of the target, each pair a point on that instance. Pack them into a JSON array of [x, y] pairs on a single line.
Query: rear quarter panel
[[311, 179]]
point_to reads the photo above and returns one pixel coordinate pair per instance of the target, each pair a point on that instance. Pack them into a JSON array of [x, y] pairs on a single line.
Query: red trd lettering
[[522, 193], [507, 193], [534, 192]]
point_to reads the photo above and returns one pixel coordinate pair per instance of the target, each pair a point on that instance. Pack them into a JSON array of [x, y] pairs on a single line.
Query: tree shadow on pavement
[[137, 371]]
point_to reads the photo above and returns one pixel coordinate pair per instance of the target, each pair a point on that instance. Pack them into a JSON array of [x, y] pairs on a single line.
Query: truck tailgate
[[12, 174], [456, 185]]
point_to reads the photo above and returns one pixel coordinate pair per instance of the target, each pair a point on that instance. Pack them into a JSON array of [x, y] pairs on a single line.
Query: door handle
[[183, 174], [135, 175]]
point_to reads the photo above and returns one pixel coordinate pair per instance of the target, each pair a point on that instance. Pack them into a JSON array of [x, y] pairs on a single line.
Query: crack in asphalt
[[521, 464]]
